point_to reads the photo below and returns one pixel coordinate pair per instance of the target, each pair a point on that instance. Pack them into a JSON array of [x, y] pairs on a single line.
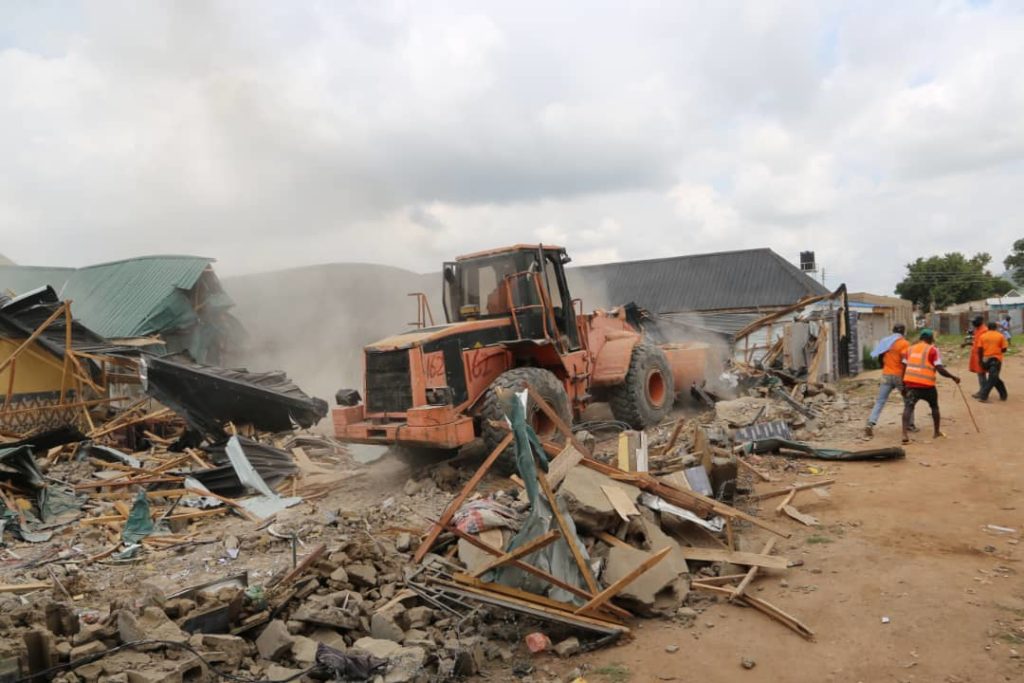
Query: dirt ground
[[905, 540]]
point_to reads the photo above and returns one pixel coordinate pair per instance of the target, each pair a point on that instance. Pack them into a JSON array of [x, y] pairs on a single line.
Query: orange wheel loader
[[511, 322]]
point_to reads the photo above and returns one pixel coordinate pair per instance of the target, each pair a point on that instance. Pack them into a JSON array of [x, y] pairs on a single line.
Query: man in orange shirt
[[990, 352], [974, 363], [892, 374], [921, 364]]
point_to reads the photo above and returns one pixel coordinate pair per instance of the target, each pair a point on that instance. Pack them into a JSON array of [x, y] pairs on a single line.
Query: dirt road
[[904, 540]]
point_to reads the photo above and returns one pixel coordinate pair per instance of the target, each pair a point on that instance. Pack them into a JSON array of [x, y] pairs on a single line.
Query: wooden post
[[567, 536], [525, 549], [752, 572], [457, 501], [610, 592], [67, 351]]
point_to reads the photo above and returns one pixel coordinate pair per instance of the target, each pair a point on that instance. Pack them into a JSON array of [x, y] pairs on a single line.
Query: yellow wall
[[35, 369]]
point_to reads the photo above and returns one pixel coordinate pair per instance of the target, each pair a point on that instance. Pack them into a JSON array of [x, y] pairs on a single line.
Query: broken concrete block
[[381, 649], [281, 673], [568, 647], [403, 541], [384, 627], [232, 648], [93, 648], [304, 650], [275, 640], [339, 575], [326, 610], [152, 624], [643, 590], [419, 617], [363, 575], [587, 503], [329, 637], [656, 540], [405, 665]]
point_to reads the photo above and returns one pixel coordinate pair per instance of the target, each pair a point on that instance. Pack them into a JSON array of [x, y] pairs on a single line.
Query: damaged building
[[172, 304]]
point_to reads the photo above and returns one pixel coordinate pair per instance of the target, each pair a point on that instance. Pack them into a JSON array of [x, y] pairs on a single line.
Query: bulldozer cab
[[524, 283]]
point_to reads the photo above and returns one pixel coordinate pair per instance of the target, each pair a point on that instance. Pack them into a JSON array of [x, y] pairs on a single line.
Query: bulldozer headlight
[[440, 396]]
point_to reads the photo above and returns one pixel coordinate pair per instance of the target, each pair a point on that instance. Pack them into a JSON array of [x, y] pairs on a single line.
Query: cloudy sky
[[277, 134]]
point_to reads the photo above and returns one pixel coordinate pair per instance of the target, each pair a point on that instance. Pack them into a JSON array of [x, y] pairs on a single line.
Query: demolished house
[[170, 304]]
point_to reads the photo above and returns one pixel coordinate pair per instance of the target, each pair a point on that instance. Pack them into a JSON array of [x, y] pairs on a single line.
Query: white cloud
[[271, 135]]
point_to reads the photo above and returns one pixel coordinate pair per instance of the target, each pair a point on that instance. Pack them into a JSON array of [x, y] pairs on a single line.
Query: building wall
[[35, 370]]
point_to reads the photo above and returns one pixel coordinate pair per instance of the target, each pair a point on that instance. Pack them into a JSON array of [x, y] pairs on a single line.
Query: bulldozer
[[511, 323]]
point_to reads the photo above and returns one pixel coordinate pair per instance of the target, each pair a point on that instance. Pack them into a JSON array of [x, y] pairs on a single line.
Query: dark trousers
[[993, 367]]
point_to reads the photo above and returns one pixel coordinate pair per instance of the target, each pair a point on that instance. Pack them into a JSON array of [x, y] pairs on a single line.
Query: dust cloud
[[313, 322]]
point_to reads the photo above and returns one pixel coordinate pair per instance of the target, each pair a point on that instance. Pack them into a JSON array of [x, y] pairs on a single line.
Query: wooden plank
[[734, 557], [758, 473], [518, 593], [764, 607], [785, 501], [458, 500], [719, 580], [803, 518], [539, 573], [557, 420], [561, 464], [621, 502], [24, 587], [302, 566], [567, 535], [613, 540], [523, 550], [613, 590], [752, 572], [799, 487]]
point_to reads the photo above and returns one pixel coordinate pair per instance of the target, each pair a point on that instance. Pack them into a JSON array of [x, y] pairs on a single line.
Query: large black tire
[[548, 386], [646, 395]]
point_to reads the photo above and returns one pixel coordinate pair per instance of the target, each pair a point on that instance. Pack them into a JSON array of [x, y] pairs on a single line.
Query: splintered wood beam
[[458, 500], [751, 573], [747, 559], [567, 535], [31, 338], [613, 590], [539, 573], [785, 501], [764, 607], [783, 492], [523, 550]]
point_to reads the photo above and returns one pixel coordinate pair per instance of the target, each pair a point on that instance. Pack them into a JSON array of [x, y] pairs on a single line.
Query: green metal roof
[[120, 299]]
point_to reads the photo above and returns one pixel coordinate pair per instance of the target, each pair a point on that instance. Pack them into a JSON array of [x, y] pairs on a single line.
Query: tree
[[939, 281], [1015, 262]]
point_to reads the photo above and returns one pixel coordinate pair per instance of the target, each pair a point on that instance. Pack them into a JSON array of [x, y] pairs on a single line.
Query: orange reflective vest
[[920, 370]]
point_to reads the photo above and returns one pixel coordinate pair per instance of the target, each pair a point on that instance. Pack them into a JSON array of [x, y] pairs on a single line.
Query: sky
[[271, 135]]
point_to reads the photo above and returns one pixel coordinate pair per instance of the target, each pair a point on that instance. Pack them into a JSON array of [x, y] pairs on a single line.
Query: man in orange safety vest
[[921, 363]]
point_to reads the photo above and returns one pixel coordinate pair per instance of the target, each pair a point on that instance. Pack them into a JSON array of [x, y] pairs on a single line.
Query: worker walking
[[921, 363], [973, 363], [890, 352], [990, 354]]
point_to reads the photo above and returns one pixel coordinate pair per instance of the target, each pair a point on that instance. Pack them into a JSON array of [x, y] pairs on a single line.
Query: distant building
[[177, 299], [876, 315]]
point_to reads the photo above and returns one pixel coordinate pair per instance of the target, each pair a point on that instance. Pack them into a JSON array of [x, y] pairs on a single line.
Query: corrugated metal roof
[[753, 278], [116, 299]]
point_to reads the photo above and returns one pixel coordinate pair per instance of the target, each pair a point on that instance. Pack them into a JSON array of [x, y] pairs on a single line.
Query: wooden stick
[[539, 573], [751, 573], [227, 501], [785, 501], [748, 559], [567, 534], [967, 404], [746, 465], [716, 580], [612, 590], [784, 492], [148, 416], [31, 338], [302, 566], [728, 534], [518, 593], [10, 385], [612, 540], [23, 587], [457, 501], [764, 607], [525, 549]]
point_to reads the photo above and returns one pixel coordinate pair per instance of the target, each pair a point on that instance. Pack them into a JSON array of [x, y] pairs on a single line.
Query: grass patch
[[818, 538], [614, 673]]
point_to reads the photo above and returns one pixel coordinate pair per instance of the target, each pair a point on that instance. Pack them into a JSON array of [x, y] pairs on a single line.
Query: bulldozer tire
[[646, 395], [548, 386]]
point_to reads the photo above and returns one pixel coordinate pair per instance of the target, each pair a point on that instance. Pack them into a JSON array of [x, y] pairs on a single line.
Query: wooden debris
[[734, 557], [612, 590], [798, 487], [529, 547]]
